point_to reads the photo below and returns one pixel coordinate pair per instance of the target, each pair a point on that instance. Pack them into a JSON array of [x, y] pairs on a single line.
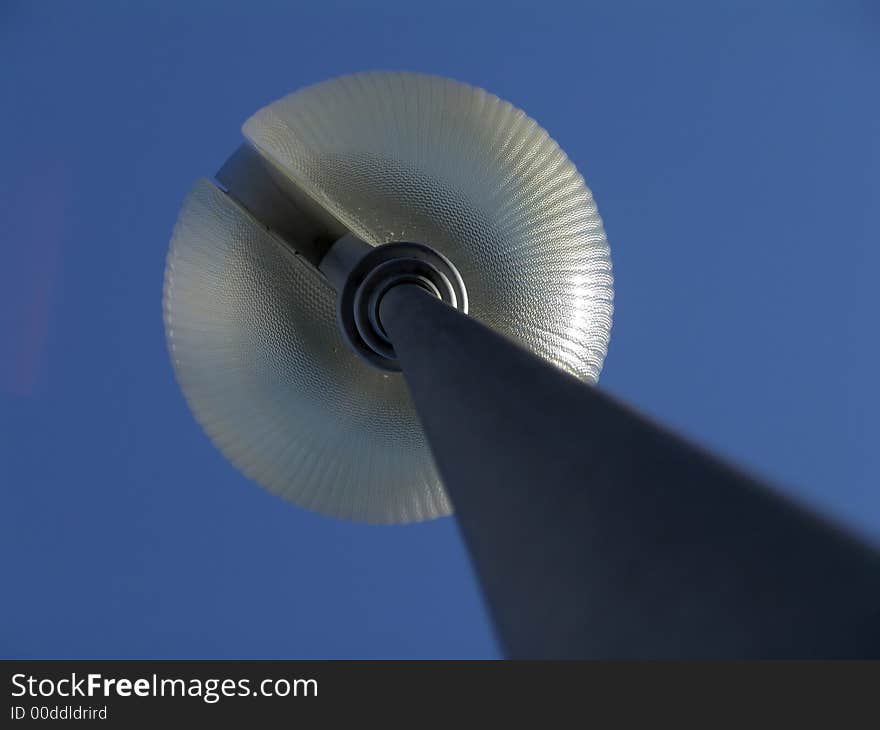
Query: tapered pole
[[596, 533]]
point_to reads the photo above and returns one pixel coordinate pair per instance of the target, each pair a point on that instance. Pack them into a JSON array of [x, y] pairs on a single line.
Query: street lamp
[[396, 300]]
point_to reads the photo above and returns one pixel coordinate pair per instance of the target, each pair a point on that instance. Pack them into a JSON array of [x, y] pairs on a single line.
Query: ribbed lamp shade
[[251, 326]]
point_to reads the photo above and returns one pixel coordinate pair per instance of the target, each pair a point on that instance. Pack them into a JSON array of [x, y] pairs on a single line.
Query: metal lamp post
[[403, 280]]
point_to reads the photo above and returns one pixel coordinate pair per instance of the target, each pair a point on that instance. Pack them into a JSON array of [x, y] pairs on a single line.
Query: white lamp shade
[[395, 157]]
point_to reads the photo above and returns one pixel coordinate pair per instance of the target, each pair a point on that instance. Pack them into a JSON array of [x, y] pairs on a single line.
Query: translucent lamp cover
[[251, 326]]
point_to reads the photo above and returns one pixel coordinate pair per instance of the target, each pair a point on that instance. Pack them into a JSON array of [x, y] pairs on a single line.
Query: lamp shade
[[251, 326]]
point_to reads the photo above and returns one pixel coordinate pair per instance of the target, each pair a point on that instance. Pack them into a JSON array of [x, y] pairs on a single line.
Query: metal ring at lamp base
[[381, 268]]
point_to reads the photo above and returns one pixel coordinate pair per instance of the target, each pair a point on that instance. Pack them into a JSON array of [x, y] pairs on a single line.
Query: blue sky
[[735, 156]]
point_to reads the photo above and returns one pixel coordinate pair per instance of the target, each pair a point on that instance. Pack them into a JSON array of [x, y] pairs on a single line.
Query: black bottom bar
[[262, 694], [598, 534]]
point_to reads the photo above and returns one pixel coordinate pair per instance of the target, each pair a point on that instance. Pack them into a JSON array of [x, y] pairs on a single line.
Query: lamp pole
[[598, 534]]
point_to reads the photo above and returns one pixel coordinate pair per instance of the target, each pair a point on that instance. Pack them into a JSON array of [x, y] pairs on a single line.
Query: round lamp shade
[[251, 325]]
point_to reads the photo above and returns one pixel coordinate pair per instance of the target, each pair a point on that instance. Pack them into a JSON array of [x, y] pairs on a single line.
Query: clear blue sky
[[735, 157]]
